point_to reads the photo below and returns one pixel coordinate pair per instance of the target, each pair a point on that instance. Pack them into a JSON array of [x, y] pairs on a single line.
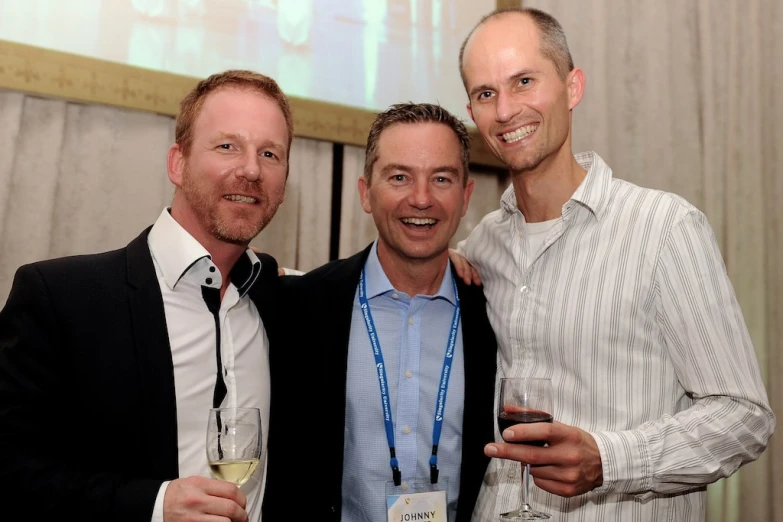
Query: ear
[[176, 165], [575, 83], [364, 194], [470, 111], [466, 197]]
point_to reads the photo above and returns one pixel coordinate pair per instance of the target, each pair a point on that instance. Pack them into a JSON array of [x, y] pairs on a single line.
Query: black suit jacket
[[88, 418], [305, 446]]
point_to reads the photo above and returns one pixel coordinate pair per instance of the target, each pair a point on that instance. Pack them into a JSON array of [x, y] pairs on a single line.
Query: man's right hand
[[464, 269], [199, 498]]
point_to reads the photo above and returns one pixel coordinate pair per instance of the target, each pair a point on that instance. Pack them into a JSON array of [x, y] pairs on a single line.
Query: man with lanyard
[[400, 357]]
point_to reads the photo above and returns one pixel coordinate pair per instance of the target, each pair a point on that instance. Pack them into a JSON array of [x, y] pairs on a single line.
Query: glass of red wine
[[524, 401]]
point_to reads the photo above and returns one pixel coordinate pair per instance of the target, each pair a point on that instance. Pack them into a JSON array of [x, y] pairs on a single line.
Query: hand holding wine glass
[[524, 401], [234, 443]]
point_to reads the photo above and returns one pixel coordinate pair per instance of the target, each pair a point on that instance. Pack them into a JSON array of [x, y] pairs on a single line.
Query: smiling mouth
[[419, 222], [240, 199], [520, 133]]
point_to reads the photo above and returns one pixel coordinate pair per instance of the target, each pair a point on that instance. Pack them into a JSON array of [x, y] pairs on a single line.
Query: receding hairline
[[545, 46]]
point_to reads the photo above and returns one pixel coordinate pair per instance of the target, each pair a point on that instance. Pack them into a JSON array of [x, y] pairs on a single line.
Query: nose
[[421, 194], [249, 168], [504, 107]]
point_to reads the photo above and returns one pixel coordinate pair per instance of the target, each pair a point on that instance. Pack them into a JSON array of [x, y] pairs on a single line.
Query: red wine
[[506, 420]]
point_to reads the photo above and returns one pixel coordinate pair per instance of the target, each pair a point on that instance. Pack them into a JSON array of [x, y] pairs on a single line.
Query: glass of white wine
[[234, 443]]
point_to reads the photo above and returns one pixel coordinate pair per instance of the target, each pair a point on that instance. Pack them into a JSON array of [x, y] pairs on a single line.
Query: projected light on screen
[[361, 53]]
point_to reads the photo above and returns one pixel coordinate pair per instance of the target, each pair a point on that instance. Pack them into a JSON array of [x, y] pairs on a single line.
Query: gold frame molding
[[44, 72]]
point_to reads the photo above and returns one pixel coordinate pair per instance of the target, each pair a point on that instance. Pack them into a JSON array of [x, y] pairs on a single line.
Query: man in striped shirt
[[617, 293]]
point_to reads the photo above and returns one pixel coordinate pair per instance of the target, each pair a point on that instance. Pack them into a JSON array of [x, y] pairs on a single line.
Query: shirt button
[[406, 430], [411, 320], [395, 295], [524, 289], [408, 374], [209, 280], [212, 269], [404, 486], [512, 473]]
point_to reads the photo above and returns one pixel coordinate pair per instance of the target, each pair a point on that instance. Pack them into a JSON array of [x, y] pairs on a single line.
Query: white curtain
[[685, 96], [77, 179]]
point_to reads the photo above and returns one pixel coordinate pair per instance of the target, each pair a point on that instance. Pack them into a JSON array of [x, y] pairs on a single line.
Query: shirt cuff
[[157, 511], [625, 462]]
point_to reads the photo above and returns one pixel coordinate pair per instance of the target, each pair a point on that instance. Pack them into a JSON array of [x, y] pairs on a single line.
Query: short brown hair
[[411, 113], [191, 104], [554, 45]]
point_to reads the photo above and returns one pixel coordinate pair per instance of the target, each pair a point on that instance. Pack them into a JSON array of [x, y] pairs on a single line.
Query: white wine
[[236, 471]]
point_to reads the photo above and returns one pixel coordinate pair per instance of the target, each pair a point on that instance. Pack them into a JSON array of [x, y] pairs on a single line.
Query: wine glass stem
[[525, 489]]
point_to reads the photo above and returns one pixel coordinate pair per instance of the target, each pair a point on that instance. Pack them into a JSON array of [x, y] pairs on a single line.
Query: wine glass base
[[524, 514]]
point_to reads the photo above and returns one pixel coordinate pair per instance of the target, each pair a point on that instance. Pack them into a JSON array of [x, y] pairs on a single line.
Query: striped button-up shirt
[[627, 307]]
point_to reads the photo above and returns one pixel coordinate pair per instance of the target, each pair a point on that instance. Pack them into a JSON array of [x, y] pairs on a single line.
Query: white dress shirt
[[183, 266], [630, 312]]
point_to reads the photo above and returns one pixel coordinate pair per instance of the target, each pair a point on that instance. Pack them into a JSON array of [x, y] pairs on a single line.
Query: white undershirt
[[536, 234], [183, 266]]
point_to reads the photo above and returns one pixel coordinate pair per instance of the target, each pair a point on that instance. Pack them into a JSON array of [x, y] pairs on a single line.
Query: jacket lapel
[[153, 353], [480, 352], [265, 292]]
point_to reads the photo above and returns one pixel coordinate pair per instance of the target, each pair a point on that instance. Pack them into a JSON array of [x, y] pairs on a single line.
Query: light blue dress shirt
[[413, 334]]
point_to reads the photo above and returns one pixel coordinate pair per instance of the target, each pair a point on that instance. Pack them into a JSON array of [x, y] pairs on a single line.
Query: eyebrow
[[407, 168], [510, 79]]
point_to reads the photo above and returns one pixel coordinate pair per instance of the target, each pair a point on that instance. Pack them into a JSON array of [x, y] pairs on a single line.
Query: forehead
[[244, 111], [419, 145], [509, 41]]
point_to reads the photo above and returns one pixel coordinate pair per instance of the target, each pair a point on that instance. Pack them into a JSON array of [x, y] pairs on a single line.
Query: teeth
[[418, 221], [241, 199], [520, 133]]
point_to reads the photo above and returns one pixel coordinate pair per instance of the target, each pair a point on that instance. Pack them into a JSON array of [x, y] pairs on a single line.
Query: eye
[[525, 81], [269, 154], [485, 95], [442, 179], [225, 146], [398, 177]]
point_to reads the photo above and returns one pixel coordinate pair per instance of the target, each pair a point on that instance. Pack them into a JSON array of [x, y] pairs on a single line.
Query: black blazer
[[306, 447], [88, 417]]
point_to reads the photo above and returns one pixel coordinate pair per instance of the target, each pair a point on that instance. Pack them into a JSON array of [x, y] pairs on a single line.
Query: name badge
[[412, 504]]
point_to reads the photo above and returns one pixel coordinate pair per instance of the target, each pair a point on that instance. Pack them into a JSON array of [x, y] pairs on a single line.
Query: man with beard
[[109, 363], [615, 292]]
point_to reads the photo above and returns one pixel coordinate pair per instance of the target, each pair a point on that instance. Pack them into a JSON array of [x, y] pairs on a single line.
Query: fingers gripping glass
[[234, 443], [524, 401]]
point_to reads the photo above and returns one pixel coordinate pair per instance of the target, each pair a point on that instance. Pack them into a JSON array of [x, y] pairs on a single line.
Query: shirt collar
[[378, 283], [176, 251], [592, 192]]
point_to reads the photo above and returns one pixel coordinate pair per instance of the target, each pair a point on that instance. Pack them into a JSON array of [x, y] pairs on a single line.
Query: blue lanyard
[[443, 387]]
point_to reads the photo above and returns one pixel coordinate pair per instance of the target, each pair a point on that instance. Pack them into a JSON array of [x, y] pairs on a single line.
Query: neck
[[224, 254], [414, 277], [541, 192]]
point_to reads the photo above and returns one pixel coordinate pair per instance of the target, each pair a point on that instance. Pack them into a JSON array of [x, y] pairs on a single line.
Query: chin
[[236, 235]]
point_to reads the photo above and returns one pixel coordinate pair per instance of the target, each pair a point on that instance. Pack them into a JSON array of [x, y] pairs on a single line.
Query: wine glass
[[524, 401], [234, 443]]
